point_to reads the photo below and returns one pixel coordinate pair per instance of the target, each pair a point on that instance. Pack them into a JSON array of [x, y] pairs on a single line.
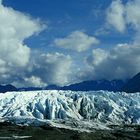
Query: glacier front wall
[[98, 106]]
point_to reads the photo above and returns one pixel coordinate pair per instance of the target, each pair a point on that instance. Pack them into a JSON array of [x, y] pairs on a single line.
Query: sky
[[61, 42]]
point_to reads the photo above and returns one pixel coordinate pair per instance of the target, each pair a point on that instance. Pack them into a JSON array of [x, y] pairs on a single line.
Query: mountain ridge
[[7, 88], [93, 85], [114, 85], [133, 85]]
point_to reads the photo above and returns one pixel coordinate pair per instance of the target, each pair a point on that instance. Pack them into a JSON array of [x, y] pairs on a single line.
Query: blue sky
[[64, 17], [61, 42]]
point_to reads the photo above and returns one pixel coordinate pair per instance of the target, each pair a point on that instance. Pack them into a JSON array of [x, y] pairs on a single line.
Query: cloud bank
[[22, 66], [121, 62], [52, 68]]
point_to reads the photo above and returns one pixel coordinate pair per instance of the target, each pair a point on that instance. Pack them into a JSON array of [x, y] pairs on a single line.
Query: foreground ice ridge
[[91, 107]]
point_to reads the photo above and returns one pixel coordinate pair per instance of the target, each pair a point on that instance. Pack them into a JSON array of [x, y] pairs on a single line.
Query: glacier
[[69, 109]]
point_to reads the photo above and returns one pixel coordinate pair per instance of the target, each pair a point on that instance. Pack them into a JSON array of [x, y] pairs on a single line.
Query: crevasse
[[96, 106]]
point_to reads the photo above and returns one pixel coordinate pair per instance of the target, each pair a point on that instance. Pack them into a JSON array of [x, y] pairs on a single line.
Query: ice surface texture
[[99, 106]]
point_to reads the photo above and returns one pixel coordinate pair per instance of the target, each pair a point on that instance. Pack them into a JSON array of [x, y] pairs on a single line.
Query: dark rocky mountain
[[30, 88], [7, 88], [133, 85], [53, 87], [114, 85]]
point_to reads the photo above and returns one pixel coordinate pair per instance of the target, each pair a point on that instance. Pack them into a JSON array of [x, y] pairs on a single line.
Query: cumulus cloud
[[98, 55], [46, 69], [51, 68], [132, 14], [34, 81], [77, 41], [121, 62], [15, 27], [115, 15], [121, 15]]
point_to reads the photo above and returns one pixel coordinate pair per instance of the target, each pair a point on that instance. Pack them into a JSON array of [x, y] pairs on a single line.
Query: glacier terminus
[[84, 111]]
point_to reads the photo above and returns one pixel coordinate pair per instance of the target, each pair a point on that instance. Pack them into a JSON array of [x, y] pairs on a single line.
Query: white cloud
[[98, 55], [121, 62], [52, 68], [115, 15], [15, 27], [77, 41], [33, 81], [46, 69], [121, 15], [132, 14]]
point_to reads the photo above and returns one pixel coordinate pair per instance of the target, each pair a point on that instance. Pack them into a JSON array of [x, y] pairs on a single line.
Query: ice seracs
[[100, 107]]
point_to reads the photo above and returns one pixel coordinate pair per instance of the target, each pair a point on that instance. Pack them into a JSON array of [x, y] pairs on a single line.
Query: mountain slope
[[6, 88], [114, 85], [133, 84], [94, 85]]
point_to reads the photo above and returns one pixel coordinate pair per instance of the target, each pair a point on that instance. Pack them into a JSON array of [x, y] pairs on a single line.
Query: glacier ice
[[91, 107]]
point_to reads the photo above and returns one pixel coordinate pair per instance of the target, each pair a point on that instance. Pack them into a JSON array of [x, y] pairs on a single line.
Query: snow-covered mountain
[[99, 107]]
